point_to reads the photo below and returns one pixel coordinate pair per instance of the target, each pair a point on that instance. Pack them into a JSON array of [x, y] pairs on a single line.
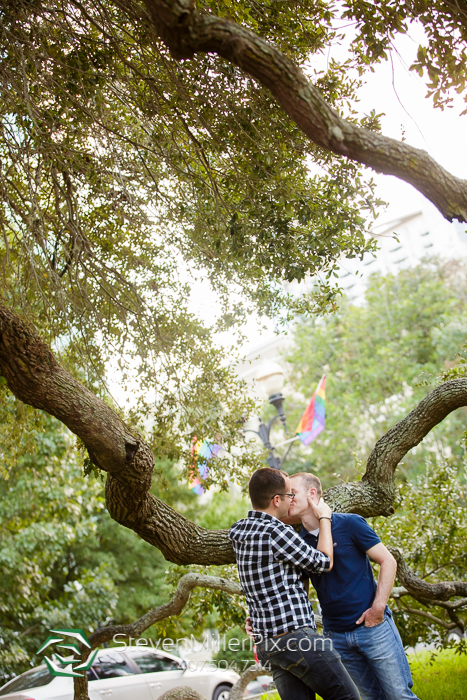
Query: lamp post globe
[[270, 380]]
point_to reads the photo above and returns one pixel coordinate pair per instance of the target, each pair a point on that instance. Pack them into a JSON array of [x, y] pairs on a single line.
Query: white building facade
[[402, 243]]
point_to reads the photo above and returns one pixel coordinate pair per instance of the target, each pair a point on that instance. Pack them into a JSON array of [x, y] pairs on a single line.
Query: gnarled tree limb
[[35, 377], [432, 618], [410, 431], [135, 629], [376, 491], [186, 32], [420, 589], [174, 607], [247, 676]]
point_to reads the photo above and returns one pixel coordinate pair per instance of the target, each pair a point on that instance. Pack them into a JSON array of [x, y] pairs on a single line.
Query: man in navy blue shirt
[[354, 608]]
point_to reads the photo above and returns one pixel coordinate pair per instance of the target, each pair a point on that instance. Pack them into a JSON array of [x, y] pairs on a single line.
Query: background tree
[[380, 358], [47, 509], [63, 559]]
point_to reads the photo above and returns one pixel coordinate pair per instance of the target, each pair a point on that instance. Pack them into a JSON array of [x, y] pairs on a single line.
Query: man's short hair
[[264, 484], [309, 481]]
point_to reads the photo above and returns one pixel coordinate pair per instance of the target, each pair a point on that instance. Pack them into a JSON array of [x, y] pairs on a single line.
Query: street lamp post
[[270, 379]]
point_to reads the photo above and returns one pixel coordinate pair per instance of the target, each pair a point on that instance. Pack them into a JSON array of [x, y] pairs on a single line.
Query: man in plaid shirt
[[270, 558]]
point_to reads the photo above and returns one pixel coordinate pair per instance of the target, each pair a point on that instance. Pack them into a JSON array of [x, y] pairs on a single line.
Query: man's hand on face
[[321, 509], [372, 617], [249, 628]]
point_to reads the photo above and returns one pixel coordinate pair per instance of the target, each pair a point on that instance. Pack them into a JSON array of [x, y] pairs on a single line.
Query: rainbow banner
[[206, 450], [313, 420]]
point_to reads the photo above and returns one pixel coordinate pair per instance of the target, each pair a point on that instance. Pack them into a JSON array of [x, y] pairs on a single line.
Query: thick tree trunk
[[81, 684], [186, 32], [35, 377]]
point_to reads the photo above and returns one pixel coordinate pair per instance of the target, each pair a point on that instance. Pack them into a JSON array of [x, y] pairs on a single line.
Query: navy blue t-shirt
[[346, 591]]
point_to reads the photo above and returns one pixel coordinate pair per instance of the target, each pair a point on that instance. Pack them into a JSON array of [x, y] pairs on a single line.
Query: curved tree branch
[[247, 676], [135, 629], [174, 607], [186, 32], [429, 594], [420, 589], [410, 431], [34, 376], [432, 618], [374, 495]]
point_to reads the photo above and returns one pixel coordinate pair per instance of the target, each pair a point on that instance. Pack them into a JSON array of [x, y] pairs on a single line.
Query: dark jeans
[[304, 663]]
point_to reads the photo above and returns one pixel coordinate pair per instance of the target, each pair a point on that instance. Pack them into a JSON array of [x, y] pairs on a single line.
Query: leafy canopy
[[126, 178], [441, 59]]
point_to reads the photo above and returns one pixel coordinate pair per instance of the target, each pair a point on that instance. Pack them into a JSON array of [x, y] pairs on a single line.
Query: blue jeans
[[302, 663], [375, 660]]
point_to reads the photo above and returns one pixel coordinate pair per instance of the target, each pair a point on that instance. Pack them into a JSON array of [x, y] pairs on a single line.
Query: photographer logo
[[57, 637]]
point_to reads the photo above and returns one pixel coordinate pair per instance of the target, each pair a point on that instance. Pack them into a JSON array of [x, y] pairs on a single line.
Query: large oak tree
[[138, 137]]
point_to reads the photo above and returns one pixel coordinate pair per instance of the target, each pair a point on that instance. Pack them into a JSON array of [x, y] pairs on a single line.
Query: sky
[[401, 95]]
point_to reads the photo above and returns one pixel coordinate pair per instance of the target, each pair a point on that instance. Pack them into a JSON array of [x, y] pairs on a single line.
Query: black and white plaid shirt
[[270, 556]]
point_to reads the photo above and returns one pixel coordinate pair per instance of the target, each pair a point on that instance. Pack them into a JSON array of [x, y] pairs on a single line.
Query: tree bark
[[34, 376], [186, 32], [375, 493], [181, 693], [80, 685]]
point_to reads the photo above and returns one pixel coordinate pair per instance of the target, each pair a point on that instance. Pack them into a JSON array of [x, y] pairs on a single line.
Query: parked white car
[[141, 674]]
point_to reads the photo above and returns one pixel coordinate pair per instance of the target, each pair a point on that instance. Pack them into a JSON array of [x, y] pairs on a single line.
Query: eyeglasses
[[290, 495]]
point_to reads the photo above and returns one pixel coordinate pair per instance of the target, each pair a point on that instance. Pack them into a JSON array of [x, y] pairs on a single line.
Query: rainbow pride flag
[[313, 420], [206, 450]]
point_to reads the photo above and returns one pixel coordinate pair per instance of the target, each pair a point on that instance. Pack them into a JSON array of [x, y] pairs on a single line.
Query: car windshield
[[150, 662], [31, 679], [111, 665]]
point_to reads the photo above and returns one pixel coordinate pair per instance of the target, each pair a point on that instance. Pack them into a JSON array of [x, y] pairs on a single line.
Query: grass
[[444, 679]]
